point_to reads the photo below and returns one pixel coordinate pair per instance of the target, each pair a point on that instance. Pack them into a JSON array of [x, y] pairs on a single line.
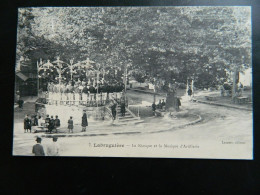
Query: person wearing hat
[[38, 148], [51, 124], [70, 125], [189, 93], [47, 121], [84, 122], [163, 104], [53, 149], [153, 108], [20, 103], [27, 124], [57, 123], [122, 106], [113, 110]]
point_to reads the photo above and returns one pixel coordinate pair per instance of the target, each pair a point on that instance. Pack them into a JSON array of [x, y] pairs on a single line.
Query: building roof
[[21, 76]]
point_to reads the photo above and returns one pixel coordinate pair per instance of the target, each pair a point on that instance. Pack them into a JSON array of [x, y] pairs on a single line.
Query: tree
[[173, 43]]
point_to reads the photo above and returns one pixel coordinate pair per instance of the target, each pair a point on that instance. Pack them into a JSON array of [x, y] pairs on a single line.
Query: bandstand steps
[[126, 116], [129, 118], [129, 121]]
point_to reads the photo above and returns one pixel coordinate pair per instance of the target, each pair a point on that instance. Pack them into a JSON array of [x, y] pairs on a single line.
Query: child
[[70, 125]]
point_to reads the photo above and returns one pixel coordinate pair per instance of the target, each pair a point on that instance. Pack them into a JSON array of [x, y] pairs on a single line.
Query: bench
[[159, 113], [210, 98], [43, 129], [40, 129], [241, 100]]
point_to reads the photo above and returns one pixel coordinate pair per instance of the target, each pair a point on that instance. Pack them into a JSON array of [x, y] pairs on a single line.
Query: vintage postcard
[[160, 82]]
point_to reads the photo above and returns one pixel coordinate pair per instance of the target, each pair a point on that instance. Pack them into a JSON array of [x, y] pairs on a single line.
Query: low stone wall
[[143, 110]]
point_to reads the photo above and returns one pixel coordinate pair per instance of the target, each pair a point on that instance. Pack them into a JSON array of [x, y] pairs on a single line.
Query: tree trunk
[[234, 83]]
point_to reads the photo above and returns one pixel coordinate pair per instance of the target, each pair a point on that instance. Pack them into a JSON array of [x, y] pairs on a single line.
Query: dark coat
[[70, 124], [153, 106], [179, 101], [160, 105], [20, 102], [27, 123], [85, 90], [57, 122], [35, 121], [189, 92], [51, 124], [38, 150], [123, 108], [84, 122], [113, 109], [92, 89]]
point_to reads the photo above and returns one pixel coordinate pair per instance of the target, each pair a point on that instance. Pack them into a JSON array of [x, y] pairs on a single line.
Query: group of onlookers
[[160, 106], [85, 87], [114, 110], [49, 122], [84, 123], [52, 150]]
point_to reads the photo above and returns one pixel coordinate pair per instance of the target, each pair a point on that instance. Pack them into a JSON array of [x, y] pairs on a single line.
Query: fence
[[87, 99]]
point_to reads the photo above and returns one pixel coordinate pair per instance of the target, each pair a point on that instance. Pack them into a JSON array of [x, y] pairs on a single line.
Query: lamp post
[[71, 69], [37, 78], [125, 79], [59, 71]]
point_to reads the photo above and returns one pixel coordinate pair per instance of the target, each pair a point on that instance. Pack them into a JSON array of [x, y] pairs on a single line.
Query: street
[[219, 125], [222, 133]]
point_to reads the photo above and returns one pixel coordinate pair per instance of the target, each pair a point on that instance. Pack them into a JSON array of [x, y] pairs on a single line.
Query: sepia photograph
[[149, 82]]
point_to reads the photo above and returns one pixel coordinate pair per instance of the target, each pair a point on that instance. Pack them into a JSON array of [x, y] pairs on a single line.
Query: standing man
[[47, 122], [123, 108], [85, 89], [38, 148], [113, 109], [27, 124], [20, 103], [177, 103], [163, 104], [53, 149], [153, 108], [190, 92], [70, 125], [84, 122], [56, 123], [51, 124], [160, 104]]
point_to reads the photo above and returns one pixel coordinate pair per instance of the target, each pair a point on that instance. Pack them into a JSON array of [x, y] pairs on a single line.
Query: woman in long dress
[[84, 122]]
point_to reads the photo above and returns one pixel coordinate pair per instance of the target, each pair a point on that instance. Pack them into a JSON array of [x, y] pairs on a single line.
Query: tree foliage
[[173, 43]]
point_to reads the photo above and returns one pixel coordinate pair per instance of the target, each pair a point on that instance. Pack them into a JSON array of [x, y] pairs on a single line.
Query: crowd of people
[[114, 110], [50, 124], [159, 106], [81, 93], [82, 86], [34, 121]]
